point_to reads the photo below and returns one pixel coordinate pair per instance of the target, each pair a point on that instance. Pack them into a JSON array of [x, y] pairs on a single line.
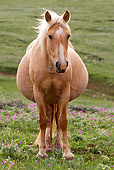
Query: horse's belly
[[79, 76], [24, 83]]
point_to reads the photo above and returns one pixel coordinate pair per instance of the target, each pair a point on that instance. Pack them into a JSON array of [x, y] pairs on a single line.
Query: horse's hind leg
[[49, 113], [58, 138], [49, 130], [52, 112]]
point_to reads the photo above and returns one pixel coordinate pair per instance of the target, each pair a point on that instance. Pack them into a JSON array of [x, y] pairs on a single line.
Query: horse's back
[[24, 83], [79, 75]]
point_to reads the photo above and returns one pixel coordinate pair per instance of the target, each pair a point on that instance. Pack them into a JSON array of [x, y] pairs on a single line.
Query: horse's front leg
[[63, 123], [43, 121]]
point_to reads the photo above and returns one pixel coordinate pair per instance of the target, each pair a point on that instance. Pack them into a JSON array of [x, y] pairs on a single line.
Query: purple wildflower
[[12, 163], [80, 131], [4, 162], [69, 113], [91, 118]]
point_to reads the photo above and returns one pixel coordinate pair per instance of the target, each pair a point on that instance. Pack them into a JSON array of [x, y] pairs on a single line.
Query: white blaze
[[61, 52], [59, 32]]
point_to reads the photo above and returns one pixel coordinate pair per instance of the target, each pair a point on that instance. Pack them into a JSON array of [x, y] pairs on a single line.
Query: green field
[[90, 117], [92, 28]]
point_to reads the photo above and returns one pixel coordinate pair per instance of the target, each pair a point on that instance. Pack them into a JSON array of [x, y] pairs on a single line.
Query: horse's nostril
[[57, 64], [66, 63]]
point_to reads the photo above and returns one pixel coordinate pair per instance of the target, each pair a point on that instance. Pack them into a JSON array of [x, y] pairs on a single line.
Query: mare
[[51, 74]]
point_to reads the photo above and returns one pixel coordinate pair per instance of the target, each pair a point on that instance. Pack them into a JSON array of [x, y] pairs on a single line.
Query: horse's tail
[[54, 110]]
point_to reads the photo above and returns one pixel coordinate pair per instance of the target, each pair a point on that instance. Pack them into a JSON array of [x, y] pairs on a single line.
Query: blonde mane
[[44, 26]]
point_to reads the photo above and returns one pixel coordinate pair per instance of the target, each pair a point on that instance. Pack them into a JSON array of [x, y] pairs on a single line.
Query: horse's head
[[57, 42]]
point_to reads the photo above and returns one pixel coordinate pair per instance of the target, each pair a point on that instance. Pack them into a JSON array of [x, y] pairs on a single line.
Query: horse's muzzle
[[61, 68]]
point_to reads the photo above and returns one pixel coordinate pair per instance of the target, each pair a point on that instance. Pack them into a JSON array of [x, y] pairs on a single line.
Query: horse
[[51, 74]]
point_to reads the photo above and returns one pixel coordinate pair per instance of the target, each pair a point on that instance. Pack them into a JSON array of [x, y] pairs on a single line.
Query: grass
[[92, 24], [90, 133], [8, 89]]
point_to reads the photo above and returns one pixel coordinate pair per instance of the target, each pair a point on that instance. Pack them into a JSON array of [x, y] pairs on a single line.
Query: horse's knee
[[43, 123]]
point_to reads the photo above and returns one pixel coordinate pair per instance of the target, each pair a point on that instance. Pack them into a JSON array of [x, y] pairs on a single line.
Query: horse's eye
[[50, 37], [68, 36]]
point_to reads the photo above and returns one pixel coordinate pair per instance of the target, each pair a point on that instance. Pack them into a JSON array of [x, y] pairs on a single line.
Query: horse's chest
[[52, 85], [52, 89]]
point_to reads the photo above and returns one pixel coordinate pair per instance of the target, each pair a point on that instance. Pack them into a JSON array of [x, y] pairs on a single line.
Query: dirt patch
[[85, 151], [91, 58], [16, 103], [8, 74], [97, 86], [82, 108]]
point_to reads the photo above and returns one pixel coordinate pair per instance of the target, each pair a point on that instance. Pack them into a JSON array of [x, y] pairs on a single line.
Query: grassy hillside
[[92, 26]]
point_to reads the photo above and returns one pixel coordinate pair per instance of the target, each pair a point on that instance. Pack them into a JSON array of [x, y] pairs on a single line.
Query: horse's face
[[57, 46]]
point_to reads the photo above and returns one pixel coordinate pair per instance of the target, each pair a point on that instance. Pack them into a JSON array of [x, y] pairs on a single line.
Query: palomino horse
[[51, 74]]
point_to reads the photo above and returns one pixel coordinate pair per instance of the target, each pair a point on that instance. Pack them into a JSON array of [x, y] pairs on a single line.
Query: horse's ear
[[66, 16], [47, 16]]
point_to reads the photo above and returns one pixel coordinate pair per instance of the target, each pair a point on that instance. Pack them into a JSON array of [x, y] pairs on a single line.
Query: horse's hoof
[[42, 156], [68, 156]]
